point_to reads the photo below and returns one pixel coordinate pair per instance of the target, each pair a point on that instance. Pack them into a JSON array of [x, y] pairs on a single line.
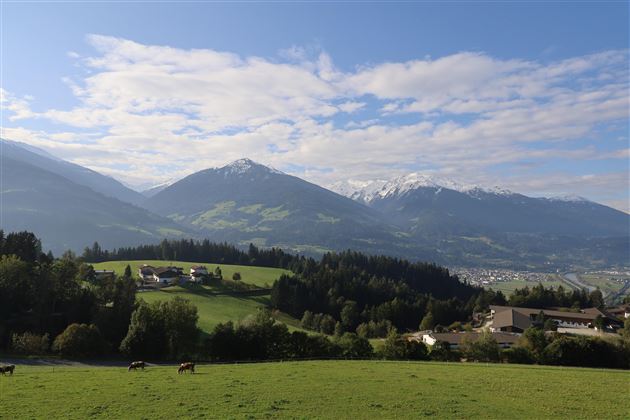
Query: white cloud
[[142, 107]]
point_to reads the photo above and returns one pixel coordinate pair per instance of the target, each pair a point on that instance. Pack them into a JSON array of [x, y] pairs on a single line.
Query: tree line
[[194, 250], [57, 304], [354, 292]]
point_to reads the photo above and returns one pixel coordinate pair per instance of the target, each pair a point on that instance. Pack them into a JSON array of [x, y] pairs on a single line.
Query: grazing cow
[[7, 368], [136, 365], [186, 366]]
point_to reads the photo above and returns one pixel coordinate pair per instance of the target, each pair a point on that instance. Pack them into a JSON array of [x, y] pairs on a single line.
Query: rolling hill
[[66, 215], [39, 158]]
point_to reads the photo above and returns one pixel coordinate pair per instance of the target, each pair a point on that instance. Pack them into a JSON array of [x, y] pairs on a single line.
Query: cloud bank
[[148, 113]]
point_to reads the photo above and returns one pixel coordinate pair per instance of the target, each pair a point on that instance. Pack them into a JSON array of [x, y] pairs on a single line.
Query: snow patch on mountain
[[569, 199]]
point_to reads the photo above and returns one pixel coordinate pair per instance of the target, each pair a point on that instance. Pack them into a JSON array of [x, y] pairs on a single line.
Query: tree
[[327, 324], [442, 351], [162, 329], [626, 328], [79, 340], [127, 274], [236, 276], [180, 326], [30, 343], [484, 349], [353, 346], [599, 322], [518, 354], [534, 339], [550, 325], [350, 315], [427, 322], [307, 320], [397, 347]]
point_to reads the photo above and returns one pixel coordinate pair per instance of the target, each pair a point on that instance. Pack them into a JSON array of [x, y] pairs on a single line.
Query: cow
[[186, 366], [7, 368], [136, 365]]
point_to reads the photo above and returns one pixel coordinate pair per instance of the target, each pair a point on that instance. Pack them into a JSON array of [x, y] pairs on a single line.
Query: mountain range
[[415, 216]]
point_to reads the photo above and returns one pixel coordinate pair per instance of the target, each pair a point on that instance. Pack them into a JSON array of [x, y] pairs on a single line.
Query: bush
[[29, 343], [397, 347], [441, 351], [353, 346], [517, 354], [484, 349], [79, 340], [587, 352], [236, 276], [162, 329]]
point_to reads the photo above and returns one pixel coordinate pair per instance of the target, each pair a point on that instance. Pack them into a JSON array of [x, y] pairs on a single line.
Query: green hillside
[[214, 304], [212, 309], [322, 389], [259, 276]]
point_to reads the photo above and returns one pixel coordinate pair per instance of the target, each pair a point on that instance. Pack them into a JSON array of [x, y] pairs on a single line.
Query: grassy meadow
[[212, 309], [214, 304], [319, 389], [258, 276]]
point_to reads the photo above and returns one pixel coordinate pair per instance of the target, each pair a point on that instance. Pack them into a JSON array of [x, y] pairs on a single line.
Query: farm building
[[162, 275], [146, 272], [515, 319], [104, 274], [198, 272]]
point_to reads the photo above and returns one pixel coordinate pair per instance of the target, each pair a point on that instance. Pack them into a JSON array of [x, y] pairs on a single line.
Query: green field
[[259, 276], [605, 282], [323, 389], [212, 309], [214, 304]]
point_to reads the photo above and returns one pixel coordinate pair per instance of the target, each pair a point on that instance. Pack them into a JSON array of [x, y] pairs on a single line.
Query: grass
[[606, 283], [259, 276], [321, 389], [212, 309], [214, 305]]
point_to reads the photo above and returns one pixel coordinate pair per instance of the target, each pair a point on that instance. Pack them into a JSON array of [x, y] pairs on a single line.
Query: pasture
[[258, 276], [317, 389], [212, 308]]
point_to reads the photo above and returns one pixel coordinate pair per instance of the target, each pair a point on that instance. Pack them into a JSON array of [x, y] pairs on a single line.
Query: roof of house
[[198, 267], [589, 316], [165, 272], [511, 318], [457, 338]]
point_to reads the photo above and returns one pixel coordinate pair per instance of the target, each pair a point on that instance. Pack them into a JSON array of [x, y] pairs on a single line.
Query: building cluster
[[490, 276], [507, 323], [172, 275]]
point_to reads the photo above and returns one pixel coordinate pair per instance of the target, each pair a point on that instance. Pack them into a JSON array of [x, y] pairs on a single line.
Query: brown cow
[[186, 366], [7, 368], [136, 365]]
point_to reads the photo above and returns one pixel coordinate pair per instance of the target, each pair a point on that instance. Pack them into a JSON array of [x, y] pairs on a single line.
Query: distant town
[[612, 281]]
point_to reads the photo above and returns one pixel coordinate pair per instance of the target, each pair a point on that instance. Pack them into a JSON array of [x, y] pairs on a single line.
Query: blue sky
[[530, 96]]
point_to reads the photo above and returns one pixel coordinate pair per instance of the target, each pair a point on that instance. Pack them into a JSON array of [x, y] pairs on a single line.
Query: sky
[[529, 96]]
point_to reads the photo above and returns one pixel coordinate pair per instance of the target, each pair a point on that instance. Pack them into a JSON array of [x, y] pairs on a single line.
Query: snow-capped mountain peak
[[367, 191], [242, 166]]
